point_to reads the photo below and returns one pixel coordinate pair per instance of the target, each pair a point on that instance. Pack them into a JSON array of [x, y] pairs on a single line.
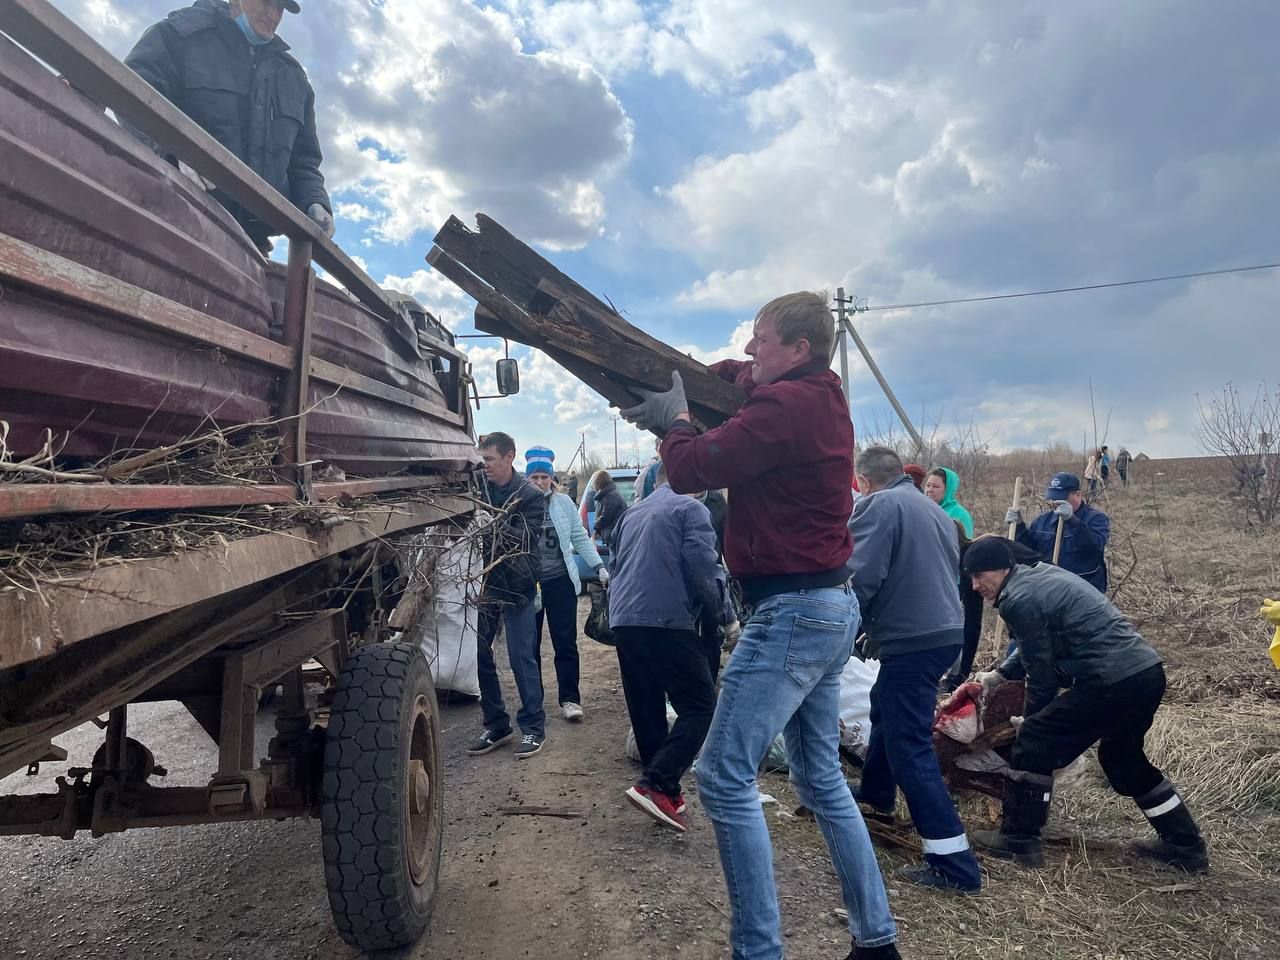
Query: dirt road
[[610, 884]]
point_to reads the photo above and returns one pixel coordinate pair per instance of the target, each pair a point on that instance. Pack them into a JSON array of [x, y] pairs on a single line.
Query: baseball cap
[[1061, 485]]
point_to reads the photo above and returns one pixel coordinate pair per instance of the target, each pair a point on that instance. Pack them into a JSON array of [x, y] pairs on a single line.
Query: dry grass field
[[1192, 579]]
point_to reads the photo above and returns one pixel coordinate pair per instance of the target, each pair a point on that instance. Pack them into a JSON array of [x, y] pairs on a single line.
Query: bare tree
[[1246, 434]]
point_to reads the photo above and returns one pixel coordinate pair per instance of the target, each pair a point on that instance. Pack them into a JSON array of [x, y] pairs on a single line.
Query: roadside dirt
[[610, 884]]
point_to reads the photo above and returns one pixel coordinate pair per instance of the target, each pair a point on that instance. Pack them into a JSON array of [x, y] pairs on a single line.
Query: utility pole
[[615, 418], [846, 326], [844, 348]]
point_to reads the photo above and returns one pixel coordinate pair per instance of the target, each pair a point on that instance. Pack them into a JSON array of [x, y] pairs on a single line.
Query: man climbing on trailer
[[224, 66], [1071, 635], [786, 458]]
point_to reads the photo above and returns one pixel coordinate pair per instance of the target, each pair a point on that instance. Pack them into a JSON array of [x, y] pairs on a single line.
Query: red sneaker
[[681, 806], [657, 805]]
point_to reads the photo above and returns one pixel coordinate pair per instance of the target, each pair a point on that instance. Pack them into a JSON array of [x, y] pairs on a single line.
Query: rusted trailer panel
[[77, 186]]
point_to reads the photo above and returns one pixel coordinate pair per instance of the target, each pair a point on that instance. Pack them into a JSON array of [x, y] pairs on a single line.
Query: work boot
[[1178, 842], [888, 951], [1026, 811]]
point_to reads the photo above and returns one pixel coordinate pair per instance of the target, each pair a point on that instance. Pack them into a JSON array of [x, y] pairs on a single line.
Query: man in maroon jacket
[[786, 458]]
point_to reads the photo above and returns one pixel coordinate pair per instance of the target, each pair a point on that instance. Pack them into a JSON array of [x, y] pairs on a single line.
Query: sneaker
[[887, 952], [657, 805], [573, 712], [681, 806], [490, 740], [927, 875], [529, 744]]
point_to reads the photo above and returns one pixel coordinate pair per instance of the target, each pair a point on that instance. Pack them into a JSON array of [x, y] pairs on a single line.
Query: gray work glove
[[989, 680], [1063, 509], [659, 408], [1013, 516], [322, 217], [603, 576]]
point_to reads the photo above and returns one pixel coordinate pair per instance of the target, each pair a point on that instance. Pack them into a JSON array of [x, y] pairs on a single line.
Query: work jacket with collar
[[1069, 635], [255, 101], [571, 536], [1084, 542], [786, 458], [904, 569], [513, 541], [664, 570]]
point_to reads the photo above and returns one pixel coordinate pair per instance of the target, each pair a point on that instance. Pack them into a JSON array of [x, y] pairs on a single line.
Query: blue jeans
[[900, 754], [522, 651], [784, 677]]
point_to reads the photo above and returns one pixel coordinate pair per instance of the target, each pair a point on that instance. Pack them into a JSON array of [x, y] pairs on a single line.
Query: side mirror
[[508, 374]]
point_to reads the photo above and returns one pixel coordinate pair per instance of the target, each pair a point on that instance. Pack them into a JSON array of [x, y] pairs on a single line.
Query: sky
[[692, 159]]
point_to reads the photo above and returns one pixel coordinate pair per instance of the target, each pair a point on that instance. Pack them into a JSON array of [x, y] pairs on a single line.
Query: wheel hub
[[419, 787]]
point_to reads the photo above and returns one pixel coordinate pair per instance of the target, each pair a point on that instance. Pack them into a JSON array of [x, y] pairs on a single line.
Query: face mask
[[243, 23]]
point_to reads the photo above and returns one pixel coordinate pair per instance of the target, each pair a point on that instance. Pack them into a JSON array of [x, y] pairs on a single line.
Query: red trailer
[[134, 315]]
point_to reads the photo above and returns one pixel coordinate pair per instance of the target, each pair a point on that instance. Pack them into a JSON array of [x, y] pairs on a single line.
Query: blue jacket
[[664, 564], [572, 535], [906, 558], [1084, 542]]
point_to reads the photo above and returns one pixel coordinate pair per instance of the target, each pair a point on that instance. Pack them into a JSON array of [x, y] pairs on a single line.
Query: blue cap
[[1061, 485]]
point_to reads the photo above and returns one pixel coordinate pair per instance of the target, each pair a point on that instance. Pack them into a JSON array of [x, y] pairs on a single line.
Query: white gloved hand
[[989, 679], [732, 631], [1013, 516], [322, 217], [603, 576], [1063, 510], [1017, 723], [204, 182]]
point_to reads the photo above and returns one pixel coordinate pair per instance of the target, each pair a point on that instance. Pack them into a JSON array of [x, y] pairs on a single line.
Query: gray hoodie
[[904, 569]]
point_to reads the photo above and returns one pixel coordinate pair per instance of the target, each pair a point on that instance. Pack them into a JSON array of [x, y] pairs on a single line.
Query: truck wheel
[[382, 817]]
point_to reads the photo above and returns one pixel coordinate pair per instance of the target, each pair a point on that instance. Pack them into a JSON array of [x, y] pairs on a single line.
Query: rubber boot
[[1026, 811], [888, 951], [1178, 842]]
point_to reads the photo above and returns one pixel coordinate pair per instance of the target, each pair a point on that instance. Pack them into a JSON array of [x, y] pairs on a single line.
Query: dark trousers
[[900, 754], [1116, 717], [657, 665], [517, 618], [971, 602], [560, 611]]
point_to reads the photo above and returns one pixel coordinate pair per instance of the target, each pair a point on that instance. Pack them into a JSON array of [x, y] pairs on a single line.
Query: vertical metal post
[[884, 385], [844, 347], [299, 297], [615, 440]]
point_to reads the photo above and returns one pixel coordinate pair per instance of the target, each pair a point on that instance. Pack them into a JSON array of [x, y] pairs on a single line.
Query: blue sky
[[691, 159]]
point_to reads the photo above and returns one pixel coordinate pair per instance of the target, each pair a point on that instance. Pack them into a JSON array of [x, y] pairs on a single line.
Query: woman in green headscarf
[[940, 487]]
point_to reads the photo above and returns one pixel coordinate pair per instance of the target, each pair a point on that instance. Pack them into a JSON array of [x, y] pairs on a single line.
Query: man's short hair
[[803, 316], [499, 441], [880, 465]]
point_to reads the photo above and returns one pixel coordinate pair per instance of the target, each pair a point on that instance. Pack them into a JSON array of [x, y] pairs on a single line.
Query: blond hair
[[803, 316]]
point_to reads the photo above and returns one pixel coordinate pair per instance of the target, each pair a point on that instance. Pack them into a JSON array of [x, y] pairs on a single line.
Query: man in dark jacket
[[786, 458], [904, 573], [1085, 531], [1070, 635], [223, 66], [655, 607], [609, 506], [508, 593]]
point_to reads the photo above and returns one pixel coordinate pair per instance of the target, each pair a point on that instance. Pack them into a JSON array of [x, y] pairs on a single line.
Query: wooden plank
[[37, 499], [113, 596], [299, 304], [51, 274], [54, 38]]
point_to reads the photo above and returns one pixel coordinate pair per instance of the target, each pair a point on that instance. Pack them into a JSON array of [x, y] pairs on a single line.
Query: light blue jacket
[[573, 536]]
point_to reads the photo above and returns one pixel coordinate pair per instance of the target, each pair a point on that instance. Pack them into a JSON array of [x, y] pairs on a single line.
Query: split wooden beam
[[524, 297]]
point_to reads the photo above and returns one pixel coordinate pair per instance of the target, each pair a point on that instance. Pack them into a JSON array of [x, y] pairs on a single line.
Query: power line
[[860, 308]]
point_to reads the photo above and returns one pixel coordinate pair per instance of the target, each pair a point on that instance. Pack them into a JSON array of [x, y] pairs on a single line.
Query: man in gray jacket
[[905, 564], [1070, 635], [665, 578]]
